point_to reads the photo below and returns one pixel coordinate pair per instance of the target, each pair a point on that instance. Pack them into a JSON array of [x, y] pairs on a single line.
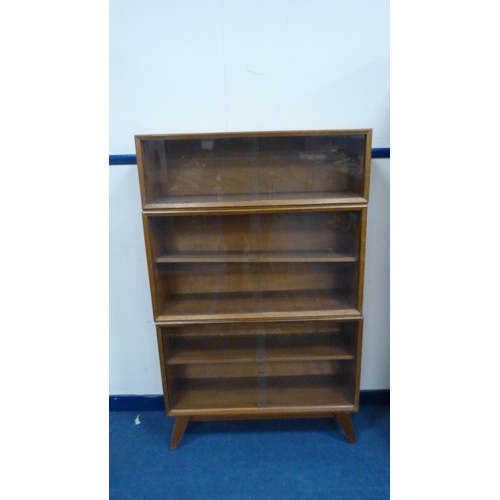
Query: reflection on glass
[[238, 366], [245, 170], [260, 263]]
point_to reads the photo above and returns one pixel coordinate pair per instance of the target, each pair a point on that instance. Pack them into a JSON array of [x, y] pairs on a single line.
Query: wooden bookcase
[[255, 245]]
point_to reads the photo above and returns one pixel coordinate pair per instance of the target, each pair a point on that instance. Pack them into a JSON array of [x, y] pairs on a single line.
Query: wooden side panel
[[367, 166], [357, 371], [163, 351], [362, 251], [158, 286]]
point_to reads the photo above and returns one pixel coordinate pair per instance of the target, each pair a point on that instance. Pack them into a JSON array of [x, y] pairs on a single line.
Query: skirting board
[[379, 397]]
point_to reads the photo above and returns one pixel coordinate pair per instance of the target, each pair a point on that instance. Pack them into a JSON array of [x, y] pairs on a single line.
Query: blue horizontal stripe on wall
[[122, 159], [132, 160], [381, 153], [156, 403]]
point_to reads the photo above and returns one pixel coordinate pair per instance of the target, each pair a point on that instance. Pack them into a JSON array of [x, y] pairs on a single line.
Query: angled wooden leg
[[345, 421], [180, 424]]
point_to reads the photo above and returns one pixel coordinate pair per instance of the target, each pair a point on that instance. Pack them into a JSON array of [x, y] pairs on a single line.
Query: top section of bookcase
[[257, 171]]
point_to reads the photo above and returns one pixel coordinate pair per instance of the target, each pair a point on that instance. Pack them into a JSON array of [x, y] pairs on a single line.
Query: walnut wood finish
[[257, 169], [345, 422], [180, 424], [255, 245]]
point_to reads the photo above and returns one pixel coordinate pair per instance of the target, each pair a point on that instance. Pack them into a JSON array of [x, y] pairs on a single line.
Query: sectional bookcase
[[255, 245]]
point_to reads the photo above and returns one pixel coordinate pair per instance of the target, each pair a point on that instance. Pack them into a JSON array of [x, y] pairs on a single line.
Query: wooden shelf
[[277, 333], [256, 200], [264, 257], [256, 307], [267, 354], [316, 393]]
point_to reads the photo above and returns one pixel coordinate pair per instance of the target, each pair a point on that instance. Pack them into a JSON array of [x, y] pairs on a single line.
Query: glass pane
[[266, 366], [224, 266], [253, 170]]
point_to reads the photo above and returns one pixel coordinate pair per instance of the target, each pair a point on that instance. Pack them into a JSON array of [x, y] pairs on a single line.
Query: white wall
[[215, 66]]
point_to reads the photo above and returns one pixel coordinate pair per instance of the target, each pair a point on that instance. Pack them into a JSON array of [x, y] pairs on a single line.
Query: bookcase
[[255, 245]]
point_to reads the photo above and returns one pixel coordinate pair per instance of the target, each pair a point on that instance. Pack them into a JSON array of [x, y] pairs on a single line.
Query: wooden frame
[[256, 245]]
